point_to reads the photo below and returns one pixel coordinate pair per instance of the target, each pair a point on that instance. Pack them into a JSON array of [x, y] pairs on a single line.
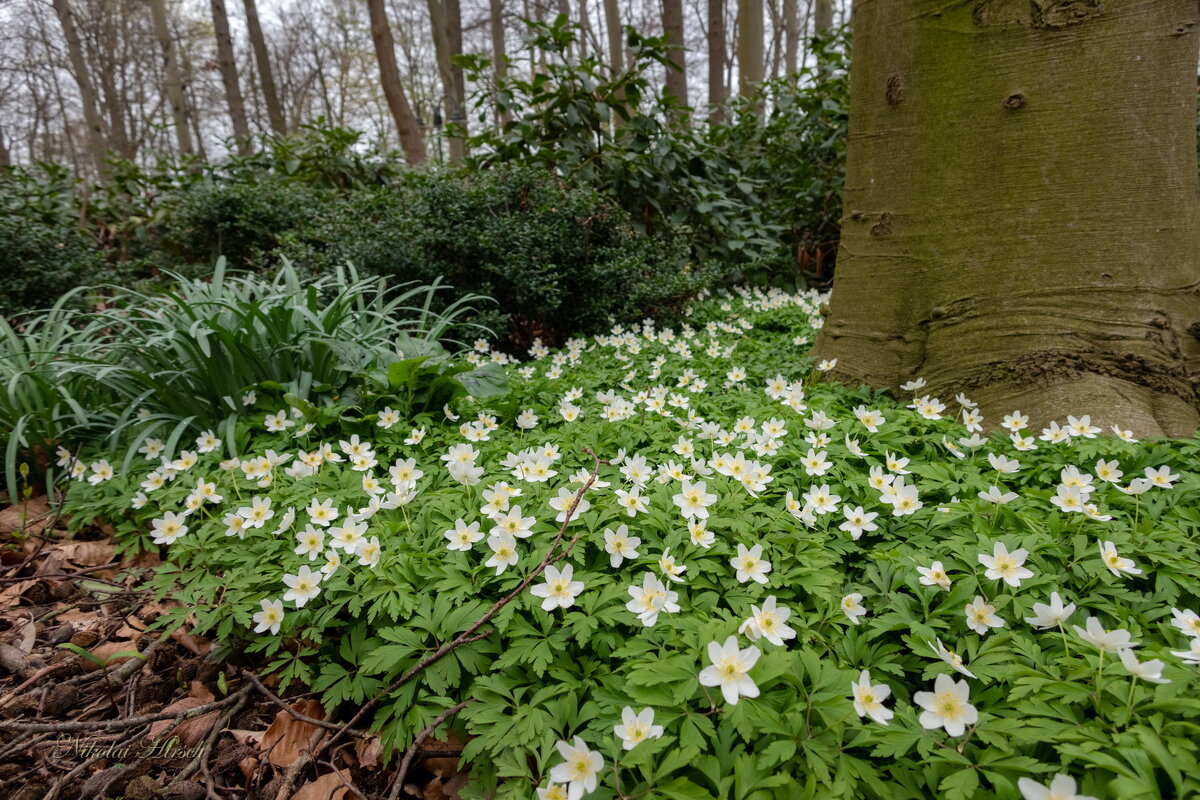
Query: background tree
[[229, 76], [173, 83], [676, 79], [411, 139], [1022, 208], [750, 46], [262, 59]]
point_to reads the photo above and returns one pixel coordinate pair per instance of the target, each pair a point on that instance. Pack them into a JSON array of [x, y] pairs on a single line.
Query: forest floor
[[181, 720]]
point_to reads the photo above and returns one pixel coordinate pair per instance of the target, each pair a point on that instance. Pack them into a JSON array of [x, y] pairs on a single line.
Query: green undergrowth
[[721, 440]]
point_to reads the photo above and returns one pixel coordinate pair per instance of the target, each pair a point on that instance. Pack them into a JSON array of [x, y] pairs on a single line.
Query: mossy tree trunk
[[1022, 214]]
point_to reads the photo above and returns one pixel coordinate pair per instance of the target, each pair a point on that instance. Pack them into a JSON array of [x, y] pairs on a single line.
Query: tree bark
[[672, 20], [97, 141], [750, 47], [229, 77], [446, 20], [411, 140], [1022, 208], [499, 53], [616, 37], [266, 78], [791, 37], [174, 78], [822, 17], [717, 92], [616, 54]]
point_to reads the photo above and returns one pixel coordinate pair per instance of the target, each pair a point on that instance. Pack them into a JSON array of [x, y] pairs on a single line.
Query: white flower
[[513, 523], [994, 495], [981, 616], [730, 669], [950, 657], [851, 606], [579, 770], [463, 535], [632, 501], [169, 528], [303, 586], [699, 534], [1187, 621], [1109, 471], [1103, 640], [947, 706], [1061, 788], [559, 590], [1006, 566], [673, 570], [527, 420], [1003, 464], [637, 728], [415, 436], [368, 552], [311, 540], [1082, 427], [1150, 670], [270, 617], [858, 521], [620, 545], [868, 699], [1161, 476], [768, 622], [750, 564], [1192, 654], [934, 575], [651, 598], [566, 505], [693, 500], [1116, 564], [504, 551], [1052, 615]]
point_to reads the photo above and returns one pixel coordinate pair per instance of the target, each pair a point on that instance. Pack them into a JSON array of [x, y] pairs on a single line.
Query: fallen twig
[[406, 762], [115, 724]]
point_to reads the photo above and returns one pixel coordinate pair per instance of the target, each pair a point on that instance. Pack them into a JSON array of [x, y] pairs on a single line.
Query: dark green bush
[[241, 220], [40, 262], [557, 258]]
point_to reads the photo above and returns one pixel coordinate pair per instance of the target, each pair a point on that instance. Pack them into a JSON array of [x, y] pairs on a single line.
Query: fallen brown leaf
[[191, 731], [10, 597], [327, 787], [195, 645], [87, 554], [31, 516], [287, 736], [368, 749], [104, 654], [243, 736]]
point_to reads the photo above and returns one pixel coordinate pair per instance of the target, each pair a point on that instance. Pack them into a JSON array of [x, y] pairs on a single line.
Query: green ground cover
[[760, 586]]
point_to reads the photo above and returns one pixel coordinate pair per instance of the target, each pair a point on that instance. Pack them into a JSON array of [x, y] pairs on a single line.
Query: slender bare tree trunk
[[174, 78], [717, 92], [750, 47], [446, 21], [411, 140], [97, 141], [791, 36], [1023, 209], [616, 37], [822, 17], [616, 54], [266, 79], [672, 20], [499, 53], [229, 76]]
